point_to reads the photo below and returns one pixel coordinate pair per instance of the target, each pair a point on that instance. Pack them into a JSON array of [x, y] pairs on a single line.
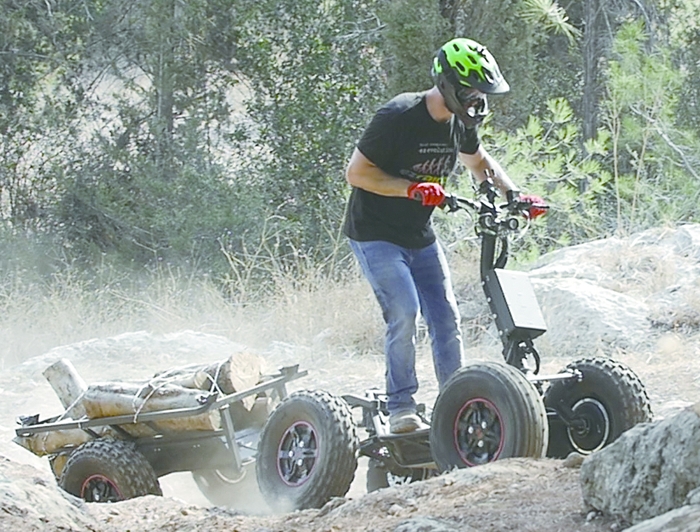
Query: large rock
[[684, 519], [619, 293], [606, 296], [583, 317], [648, 471]]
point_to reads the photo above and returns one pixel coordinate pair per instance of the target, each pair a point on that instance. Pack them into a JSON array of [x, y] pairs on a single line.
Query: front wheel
[[307, 452], [108, 471], [487, 411], [608, 400]]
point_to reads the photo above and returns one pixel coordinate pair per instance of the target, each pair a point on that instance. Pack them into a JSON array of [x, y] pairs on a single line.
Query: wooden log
[[129, 398], [68, 385], [45, 443], [195, 381], [242, 370]]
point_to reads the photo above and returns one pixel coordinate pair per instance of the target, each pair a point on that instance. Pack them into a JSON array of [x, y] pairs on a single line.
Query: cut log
[[237, 373], [45, 443], [168, 390], [195, 381], [128, 398], [68, 385]]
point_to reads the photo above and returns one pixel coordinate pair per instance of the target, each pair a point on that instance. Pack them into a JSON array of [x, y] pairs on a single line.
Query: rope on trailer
[[163, 379], [70, 406]]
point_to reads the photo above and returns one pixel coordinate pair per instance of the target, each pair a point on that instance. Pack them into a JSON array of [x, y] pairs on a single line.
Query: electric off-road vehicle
[[304, 451], [490, 410]]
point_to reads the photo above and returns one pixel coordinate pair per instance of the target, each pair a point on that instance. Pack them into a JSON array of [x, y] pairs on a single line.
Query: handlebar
[[495, 221], [492, 217]]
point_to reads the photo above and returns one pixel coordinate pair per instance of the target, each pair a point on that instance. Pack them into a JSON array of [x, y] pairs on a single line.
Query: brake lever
[[454, 203], [450, 203]]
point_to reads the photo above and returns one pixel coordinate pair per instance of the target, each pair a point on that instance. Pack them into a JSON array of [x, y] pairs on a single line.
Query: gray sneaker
[[404, 421]]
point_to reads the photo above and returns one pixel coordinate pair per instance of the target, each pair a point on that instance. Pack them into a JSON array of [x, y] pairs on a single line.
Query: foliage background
[[143, 141]]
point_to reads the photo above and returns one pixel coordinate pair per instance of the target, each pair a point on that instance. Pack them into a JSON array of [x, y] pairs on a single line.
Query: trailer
[[300, 448]]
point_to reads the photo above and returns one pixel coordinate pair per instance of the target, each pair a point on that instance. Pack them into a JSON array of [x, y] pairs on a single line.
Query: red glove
[[537, 205], [430, 194]]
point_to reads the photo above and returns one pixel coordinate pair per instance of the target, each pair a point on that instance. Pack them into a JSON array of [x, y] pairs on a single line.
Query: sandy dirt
[[515, 494]]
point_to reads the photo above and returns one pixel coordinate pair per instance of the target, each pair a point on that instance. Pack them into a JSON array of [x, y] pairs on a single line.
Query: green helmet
[[465, 71]]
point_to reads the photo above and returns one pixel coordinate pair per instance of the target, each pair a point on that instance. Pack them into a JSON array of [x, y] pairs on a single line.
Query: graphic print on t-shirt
[[435, 169], [405, 141]]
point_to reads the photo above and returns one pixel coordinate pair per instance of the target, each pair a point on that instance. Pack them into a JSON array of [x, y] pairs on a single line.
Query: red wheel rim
[[98, 488], [478, 432], [297, 453]]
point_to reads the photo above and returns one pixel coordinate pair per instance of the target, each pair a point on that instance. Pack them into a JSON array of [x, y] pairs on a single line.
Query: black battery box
[[514, 305]]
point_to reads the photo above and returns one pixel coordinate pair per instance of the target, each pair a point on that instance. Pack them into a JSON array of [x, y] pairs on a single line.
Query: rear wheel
[[307, 452], [609, 400], [108, 471], [487, 411]]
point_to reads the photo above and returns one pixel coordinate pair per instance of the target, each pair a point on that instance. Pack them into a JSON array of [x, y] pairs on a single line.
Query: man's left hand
[[537, 207]]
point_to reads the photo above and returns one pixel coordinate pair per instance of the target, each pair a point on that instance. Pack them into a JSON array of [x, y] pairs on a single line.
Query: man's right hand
[[430, 194]]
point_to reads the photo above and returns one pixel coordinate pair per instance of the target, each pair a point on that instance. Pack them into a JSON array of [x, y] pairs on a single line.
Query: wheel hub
[[99, 488], [297, 453], [592, 433], [478, 432]]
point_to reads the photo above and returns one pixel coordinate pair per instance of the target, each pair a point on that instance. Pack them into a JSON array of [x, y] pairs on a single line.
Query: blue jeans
[[406, 282]]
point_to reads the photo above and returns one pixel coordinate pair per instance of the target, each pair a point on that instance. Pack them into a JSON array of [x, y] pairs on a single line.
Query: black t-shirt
[[404, 141]]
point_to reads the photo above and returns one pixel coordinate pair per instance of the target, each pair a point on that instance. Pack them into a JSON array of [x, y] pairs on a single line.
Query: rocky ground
[[660, 343]]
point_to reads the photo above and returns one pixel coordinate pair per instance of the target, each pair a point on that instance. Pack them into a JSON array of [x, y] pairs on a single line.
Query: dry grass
[[325, 306], [310, 310], [640, 270]]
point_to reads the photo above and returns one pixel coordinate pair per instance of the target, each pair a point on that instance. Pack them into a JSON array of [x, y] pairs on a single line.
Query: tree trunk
[[45, 443], [591, 57], [167, 390]]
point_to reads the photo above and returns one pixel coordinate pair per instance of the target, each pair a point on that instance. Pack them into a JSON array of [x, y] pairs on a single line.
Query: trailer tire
[[610, 399], [307, 452], [487, 411], [108, 471]]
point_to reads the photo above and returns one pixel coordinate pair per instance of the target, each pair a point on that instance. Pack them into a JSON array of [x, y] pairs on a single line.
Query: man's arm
[[363, 173], [483, 166]]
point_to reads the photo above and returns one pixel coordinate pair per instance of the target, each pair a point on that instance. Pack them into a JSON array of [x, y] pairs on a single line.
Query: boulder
[[583, 317], [684, 519], [606, 296], [650, 470]]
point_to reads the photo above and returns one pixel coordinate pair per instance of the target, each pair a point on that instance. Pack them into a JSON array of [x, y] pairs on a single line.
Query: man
[[397, 172]]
